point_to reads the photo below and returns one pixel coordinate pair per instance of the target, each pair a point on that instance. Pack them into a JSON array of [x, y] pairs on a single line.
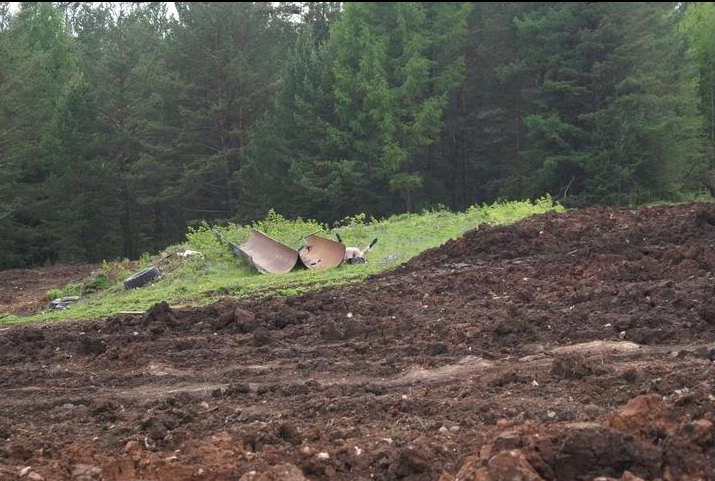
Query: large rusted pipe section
[[270, 256], [321, 253]]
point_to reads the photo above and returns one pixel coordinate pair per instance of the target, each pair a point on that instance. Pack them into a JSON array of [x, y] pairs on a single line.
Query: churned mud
[[572, 346]]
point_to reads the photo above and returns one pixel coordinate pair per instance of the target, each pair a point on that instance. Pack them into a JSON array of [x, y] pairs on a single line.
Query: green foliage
[[117, 136], [698, 27], [201, 238], [389, 94], [36, 62], [120, 126], [290, 232], [109, 275], [615, 122], [354, 221], [54, 294], [99, 282]]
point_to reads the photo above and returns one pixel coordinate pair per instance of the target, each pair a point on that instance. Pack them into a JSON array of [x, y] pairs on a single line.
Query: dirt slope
[[566, 347], [23, 291]]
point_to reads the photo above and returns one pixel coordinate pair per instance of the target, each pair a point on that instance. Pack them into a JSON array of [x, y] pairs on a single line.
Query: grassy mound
[[216, 274]]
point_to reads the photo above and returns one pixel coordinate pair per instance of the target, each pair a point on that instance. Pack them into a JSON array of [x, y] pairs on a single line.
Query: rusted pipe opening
[[267, 254], [321, 253]]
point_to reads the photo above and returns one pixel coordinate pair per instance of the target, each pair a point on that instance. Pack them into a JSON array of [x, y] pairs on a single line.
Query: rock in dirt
[[410, 462], [642, 441], [281, 472], [160, 314], [85, 472], [158, 427], [508, 440], [642, 416], [288, 432], [157, 431], [598, 347], [626, 476], [90, 347], [647, 335], [438, 348], [587, 450], [261, 337], [244, 319], [133, 450], [287, 316], [701, 431], [574, 366], [509, 465]]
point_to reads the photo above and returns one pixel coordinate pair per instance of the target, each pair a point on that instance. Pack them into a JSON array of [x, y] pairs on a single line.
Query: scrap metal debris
[[270, 256], [62, 303]]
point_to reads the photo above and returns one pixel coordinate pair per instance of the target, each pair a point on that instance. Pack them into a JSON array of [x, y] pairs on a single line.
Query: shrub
[[290, 232]]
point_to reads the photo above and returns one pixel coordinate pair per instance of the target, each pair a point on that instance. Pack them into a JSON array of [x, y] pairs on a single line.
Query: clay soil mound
[[574, 346]]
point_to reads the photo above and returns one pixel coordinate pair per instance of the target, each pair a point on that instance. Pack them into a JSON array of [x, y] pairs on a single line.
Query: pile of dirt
[[645, 439], [568, 346]]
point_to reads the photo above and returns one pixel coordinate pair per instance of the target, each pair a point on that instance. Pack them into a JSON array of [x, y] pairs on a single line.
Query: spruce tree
[[37, 61], [227, 58], [613, 115], [390, 97]]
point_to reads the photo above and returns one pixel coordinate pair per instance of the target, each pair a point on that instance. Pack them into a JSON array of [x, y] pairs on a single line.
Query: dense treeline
[[120, 124]]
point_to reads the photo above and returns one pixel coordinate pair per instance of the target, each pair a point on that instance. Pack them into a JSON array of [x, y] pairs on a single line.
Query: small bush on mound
[[72, 289], [105, 278], [98, 282], [54, 294], [290, 232]]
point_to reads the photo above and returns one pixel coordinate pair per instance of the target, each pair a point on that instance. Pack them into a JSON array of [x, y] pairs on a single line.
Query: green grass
[[218, 274]]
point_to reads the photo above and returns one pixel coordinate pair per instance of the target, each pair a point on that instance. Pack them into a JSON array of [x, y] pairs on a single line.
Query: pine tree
[[83, 221], [698, 25], [287, 149], [122, 49], [390, 97], [38, 59], [226, 56], [120, 125], [613, 115]]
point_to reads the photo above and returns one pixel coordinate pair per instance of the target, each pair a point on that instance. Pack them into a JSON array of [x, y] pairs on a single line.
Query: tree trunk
[[712, 102], [455, 173], [125, 219], [408, 201], [223, 125], [709, 182], [462, 155]]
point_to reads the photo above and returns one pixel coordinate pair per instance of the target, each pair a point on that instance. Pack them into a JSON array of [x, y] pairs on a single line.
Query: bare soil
[[24, 291], [572, 346]]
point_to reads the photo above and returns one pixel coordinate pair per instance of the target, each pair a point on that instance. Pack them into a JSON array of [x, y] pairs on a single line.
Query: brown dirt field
[[23, 291], [576, 346]]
